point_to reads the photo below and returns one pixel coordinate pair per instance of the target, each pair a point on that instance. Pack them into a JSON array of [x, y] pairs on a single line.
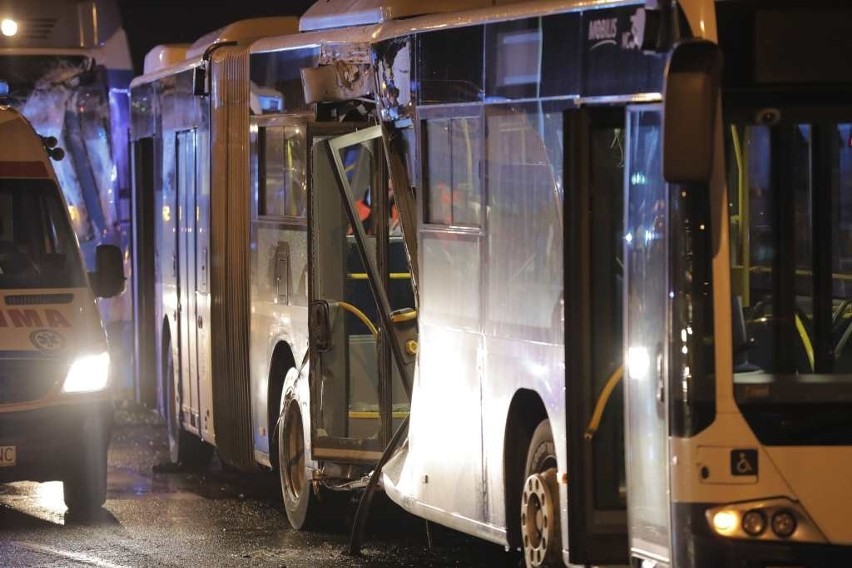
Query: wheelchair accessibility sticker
[[743, 462]]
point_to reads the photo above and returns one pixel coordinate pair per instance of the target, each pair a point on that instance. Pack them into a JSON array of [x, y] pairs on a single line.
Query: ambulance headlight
[[88, 373]]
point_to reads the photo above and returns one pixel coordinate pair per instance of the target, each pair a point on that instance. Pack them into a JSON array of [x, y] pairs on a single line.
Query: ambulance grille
[[27, 380], [38, 299]]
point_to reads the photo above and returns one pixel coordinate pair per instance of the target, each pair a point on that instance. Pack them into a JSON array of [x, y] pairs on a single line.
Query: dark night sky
[[183, 21]]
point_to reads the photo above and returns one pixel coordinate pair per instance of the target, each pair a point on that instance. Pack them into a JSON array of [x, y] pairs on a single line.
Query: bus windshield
[[790, 203], [25, 73], [37, 247]]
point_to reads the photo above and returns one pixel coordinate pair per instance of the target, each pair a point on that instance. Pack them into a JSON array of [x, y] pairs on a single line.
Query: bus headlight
[[725, 521], [772, 519], [784, 523], [88, 373], [754, 522]]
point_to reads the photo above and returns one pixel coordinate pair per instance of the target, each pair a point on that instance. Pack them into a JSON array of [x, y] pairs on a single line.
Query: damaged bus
[[612, 323]]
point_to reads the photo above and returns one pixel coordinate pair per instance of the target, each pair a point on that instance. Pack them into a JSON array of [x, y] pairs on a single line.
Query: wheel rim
[[293, 464], [538, 515]]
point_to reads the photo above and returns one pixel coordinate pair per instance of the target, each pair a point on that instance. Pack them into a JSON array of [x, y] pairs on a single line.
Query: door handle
[[282, 272], [661, 379]]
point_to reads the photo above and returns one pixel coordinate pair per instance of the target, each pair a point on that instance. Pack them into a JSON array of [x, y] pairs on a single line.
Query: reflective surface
[[205, 518]]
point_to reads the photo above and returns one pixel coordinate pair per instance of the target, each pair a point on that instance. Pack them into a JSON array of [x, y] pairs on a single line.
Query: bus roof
[[465, 13], [164, 56], [244, 31], [329, 14]]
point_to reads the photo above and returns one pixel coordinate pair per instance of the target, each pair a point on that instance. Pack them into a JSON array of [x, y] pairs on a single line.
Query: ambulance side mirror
[[108, 278]]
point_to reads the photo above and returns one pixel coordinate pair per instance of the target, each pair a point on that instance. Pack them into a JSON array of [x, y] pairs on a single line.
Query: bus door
[[594, 282], [360, 287], [188, 283], [279, 252], [646, 338]]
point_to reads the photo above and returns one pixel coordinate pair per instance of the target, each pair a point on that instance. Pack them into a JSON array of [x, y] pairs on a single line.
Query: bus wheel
[[301, 504], [184, 448], [540, 526]]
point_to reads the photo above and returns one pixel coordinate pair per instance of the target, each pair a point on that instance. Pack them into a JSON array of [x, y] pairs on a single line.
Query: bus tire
[[84, 485], [185, 449], [300, 503], [541, 534]]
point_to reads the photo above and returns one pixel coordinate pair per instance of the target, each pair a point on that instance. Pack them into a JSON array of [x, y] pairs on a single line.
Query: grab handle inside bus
[[690, 97]]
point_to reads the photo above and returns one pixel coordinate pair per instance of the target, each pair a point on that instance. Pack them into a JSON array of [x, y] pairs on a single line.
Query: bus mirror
[[319, 326], [108, 278], [691, 87], [199, 81]]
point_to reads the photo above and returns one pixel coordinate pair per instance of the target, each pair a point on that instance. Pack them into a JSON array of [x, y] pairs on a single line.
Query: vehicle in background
[[66, 66], [56, 411]]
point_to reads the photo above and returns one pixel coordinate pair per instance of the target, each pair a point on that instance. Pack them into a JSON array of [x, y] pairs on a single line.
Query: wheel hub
[[539, 518]]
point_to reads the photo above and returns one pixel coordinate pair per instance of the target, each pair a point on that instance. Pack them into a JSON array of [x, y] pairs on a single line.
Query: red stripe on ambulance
[[30, 318]]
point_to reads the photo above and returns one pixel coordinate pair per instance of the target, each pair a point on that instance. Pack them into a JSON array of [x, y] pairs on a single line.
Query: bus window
[[453, 189], [524, 205], [790, 196], [281, 165]]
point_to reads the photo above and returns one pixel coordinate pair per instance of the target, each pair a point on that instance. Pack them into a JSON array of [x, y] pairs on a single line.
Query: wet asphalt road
[[206, 518]]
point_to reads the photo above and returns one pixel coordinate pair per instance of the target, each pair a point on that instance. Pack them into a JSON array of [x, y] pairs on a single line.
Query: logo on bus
[[606, 32], [47, 340]]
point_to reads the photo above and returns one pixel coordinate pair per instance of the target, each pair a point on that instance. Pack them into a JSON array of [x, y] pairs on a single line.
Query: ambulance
[[55, 407]]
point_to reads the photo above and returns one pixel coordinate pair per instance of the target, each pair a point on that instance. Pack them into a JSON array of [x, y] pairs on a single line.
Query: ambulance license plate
[[8, 456]]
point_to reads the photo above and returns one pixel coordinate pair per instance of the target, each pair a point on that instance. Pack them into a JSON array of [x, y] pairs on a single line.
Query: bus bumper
[[696, 545], [48, 441]]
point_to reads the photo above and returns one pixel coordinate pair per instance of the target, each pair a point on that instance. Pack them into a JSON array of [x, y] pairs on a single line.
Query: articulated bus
[[617, 193], [65, 65], [612, 325]]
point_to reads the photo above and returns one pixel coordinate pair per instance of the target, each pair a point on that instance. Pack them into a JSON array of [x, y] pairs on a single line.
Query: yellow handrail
[[393, 275], [360, 315], [806, 340], [404, 316], [595, 422]]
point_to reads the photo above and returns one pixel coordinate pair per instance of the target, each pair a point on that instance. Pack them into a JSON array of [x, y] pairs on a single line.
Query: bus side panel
[[167, 283], [202, 271], [513, 366], [447, 444], [279, 313]]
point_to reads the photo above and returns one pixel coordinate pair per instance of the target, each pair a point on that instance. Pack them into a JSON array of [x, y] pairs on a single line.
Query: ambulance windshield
[[37, 247]]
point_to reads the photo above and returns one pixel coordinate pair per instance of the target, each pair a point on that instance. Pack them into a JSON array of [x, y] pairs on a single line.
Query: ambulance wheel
[[185, 449], [303, 506], [541, 535], [84, 484]]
